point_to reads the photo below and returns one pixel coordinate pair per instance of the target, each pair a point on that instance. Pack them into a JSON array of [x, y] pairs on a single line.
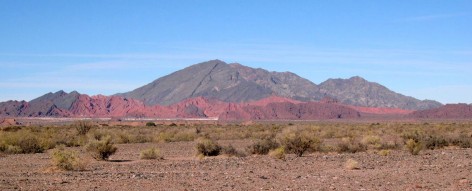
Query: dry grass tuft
[[351, 164], [384, 152], [67, 160], [151, 154], [414, 147], [278, 153]]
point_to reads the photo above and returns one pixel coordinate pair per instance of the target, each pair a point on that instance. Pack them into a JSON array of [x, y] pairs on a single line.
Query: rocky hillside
[[226, 82], [360, 92], [292, 111], [237, 83]]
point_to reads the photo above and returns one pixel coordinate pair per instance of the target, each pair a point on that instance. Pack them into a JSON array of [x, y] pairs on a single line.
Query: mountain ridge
[[269, 108], [238, 83]]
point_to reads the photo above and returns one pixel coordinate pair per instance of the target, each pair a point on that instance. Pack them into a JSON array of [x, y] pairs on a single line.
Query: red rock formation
[[449, 111], [382, 111], [270, 108], [291, 111]]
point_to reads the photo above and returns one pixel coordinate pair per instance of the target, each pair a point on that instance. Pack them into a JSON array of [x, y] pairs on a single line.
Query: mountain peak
[[359, 92], [357, 78]]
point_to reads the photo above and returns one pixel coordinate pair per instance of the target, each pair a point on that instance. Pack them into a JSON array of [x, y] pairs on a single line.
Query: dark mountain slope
[[360, 92], [226, 82], [237, 83]]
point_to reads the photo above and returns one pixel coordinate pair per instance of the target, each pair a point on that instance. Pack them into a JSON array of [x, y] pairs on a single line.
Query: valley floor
[[443, 169]]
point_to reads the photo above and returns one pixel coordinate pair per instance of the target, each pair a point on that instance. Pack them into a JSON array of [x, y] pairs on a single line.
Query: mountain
[[215, 89], [360, 92], [62, 104], [237, 83], [226, 82]]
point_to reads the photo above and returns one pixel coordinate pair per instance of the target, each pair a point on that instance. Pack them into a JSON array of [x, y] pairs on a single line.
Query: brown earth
[[445, 169], [8, 122]]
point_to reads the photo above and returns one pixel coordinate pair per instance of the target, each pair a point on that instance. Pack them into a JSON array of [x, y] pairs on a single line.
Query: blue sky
[[418, 48]]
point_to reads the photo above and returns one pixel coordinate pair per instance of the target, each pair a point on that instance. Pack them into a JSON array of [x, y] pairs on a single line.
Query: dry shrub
[[231, 151], [414, 147], [298, 140], [462, 141], [177, 135], [208, 147], [83, 127], [122, 138], [262, 147], [372, 141], [21, 142], [150, 124], [278, 153], [432, 140], [350, 145], [151, 154], [391, 145], [435, 142], [11, 128], [384, 152], [101, 149], [351, 164], [67, 160]]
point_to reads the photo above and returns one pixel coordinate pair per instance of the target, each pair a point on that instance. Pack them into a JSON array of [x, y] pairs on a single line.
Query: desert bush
[[372, 141], [434, 139], [414, 147], [278, 153], [30, 144], [231, 151], [351, 164], [20, 142], [101, 149], [462, 140], [151, 154], [176, 135], [66, 160], [298, 140], [384, 152], [390, 145], [13, 149], [434, 142], [122, 138], [11, 128], [350, 145], [150, 124], [83, 127], [414, 135], [262, 147], [208, 147], [99, 134]]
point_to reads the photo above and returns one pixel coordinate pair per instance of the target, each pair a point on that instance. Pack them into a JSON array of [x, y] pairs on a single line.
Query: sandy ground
[[445, 169]]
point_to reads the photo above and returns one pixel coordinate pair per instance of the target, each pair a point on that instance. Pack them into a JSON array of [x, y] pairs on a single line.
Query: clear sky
[[418, 48]]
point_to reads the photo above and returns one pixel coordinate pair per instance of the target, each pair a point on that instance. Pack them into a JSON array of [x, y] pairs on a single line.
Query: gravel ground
[[445, 169]]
